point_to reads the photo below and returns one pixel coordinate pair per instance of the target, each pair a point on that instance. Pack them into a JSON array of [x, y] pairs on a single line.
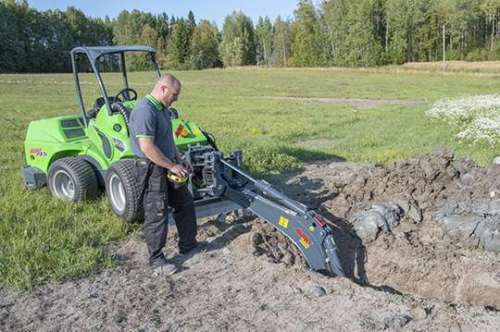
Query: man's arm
[[156, 156]]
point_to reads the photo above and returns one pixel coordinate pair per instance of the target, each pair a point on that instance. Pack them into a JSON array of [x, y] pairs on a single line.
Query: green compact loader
[[75, 156]]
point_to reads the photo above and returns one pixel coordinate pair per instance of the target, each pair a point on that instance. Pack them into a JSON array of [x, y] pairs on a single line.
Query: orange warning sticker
[[283, 222], [305, 242], [181, 131]]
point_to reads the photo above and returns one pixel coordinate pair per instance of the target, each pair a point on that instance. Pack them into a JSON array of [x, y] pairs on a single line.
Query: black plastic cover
[[33, 177]]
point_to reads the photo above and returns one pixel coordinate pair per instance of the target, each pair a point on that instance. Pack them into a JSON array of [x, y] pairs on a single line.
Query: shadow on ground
[[228, 233], [308, 155]]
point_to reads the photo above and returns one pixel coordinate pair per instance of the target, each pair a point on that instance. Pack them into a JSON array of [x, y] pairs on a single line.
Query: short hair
[[170, 81]]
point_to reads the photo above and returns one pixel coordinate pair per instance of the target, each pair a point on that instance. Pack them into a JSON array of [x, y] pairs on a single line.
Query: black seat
[[98, 104]]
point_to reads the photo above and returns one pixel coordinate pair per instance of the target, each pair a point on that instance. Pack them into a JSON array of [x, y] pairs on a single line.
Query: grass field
[[44, 240], [486, 67]]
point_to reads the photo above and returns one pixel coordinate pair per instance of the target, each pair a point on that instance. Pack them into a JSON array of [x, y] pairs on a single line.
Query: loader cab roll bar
[[94, 55]]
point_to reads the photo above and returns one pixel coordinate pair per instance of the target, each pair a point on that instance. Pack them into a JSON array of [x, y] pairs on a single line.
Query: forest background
[[333, 33]]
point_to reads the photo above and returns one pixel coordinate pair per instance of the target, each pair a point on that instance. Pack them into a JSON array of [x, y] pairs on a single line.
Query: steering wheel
[[124, 95]]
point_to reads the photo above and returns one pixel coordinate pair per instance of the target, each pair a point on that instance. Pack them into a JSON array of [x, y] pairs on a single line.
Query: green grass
[[45, 240]]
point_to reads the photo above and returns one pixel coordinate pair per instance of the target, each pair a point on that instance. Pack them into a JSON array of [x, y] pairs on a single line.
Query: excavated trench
[[428, 226]]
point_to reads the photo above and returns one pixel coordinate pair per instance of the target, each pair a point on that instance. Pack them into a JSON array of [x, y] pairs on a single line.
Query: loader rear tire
[[72, 179], [123, 191]]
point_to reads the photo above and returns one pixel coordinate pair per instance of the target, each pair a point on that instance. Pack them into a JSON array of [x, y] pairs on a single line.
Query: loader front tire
[[123, 191]]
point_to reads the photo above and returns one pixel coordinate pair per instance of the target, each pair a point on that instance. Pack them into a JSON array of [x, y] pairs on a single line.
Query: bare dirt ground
[[438, 269]]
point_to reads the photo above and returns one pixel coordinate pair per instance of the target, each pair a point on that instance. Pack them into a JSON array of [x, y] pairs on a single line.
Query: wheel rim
[[117, 193], [63, 185]]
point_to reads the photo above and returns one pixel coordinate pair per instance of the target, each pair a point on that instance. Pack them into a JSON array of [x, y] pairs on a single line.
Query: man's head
[[167, 89]]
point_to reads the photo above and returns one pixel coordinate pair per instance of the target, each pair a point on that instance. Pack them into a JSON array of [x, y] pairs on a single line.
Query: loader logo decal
[[283, 222], [304, 240], [38, 152], [182, 131]]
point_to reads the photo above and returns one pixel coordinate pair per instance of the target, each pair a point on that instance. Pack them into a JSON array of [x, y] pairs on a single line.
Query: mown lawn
[[44, 240]]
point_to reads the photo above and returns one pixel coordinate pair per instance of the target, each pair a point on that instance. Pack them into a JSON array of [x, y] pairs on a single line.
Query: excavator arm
[[303, 226]]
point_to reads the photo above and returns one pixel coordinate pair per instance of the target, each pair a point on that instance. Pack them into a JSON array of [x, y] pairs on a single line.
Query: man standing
[[153, 143]]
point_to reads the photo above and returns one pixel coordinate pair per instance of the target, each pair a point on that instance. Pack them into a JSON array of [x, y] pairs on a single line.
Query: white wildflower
[[482, 129], [478, 117]]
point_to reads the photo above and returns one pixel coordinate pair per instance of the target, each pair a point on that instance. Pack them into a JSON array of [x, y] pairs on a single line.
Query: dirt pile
[[434, 248], [458, 193], [417, 185]]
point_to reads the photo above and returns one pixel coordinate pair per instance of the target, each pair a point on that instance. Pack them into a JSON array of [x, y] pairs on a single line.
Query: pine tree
[[339, 32], [191, 22]]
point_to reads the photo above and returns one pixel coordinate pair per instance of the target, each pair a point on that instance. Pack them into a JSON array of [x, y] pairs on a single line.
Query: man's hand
[[183, 161], [152, 152], [179, 170]]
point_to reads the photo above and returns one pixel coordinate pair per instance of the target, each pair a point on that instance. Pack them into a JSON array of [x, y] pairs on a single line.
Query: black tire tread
[[83, 174], [125, 169]]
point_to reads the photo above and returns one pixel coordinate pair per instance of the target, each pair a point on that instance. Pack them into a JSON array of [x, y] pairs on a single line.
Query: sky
[[202, 9]]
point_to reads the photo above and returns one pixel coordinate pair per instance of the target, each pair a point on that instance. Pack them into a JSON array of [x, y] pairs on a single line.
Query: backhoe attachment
[[303, 226]]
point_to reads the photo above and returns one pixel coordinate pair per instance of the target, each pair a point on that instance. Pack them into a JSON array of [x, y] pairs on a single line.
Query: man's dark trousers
[[161, 194]]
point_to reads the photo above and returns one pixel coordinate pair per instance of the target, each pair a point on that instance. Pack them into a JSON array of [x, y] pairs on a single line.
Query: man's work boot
[[162, 268], [194, 248]]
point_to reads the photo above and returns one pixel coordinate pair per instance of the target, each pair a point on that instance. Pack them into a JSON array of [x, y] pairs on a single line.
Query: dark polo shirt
[[150, 119]]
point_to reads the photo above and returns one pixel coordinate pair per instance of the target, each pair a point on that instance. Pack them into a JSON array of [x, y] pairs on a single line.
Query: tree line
[[335, 33]]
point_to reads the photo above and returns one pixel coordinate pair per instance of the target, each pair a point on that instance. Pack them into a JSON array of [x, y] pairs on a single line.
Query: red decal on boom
[[299, 232], [319, 218], [304, 240]]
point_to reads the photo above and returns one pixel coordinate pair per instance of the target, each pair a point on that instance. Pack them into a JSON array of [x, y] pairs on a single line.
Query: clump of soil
[[268, 242], [419, 185]]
